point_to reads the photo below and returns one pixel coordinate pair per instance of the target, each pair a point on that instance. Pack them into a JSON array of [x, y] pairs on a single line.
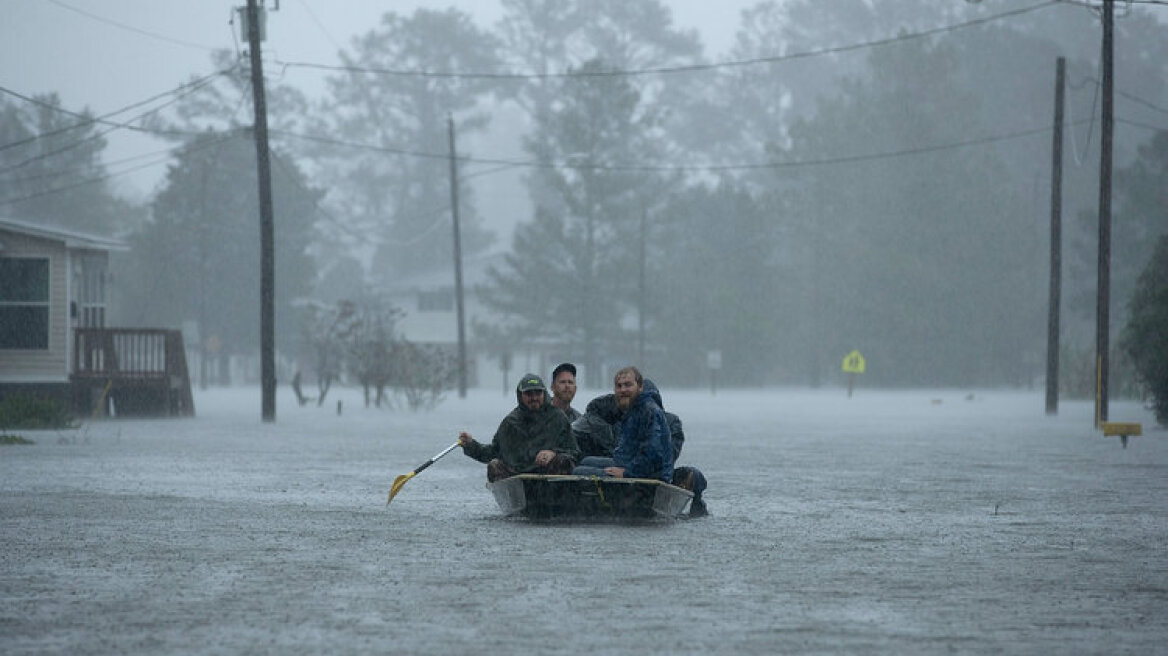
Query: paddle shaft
[[435, 458]]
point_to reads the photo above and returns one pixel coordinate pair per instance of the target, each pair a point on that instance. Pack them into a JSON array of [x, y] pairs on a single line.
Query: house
[[431, 317], [54, 341]]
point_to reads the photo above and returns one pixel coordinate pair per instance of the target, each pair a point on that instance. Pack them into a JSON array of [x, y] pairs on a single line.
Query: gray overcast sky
[[108, 54]]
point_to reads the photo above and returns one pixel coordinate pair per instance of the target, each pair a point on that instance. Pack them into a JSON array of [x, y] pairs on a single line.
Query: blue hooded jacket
[[644, 448]]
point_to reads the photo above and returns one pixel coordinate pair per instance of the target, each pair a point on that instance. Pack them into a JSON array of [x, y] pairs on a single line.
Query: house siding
[[51, 364]]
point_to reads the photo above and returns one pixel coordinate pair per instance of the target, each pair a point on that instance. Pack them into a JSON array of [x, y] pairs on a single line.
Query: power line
[[316, 202], [436, 212], [501, 164], [106, 176], [1146, 126], [81, 167], [1091, 122], [1141, 101], [130, 28], [1129, 3], [441, 220], [1079, 157], [506, 163], [319, 25], [62, 172], [89, 120], [1130, 96], [205, 81], [686, 68], [80, 183]]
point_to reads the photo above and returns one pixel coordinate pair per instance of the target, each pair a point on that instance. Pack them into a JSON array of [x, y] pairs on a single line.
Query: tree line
[[847, 176]]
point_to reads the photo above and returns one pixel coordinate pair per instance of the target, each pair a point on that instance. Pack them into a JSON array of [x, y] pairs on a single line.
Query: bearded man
[[534, 438], [643, 447]]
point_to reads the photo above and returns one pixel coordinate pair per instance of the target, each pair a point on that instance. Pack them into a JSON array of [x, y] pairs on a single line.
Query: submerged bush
[[1143, 338], [33, 413]]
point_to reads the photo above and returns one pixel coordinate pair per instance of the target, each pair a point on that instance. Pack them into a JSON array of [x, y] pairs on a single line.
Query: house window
[[89, 283], [436, 301], [24, 303]]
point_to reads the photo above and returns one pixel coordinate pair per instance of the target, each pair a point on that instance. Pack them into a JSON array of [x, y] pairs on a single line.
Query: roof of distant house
[[71, 238]]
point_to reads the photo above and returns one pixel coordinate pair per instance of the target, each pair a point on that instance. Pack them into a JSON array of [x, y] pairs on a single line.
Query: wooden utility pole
[[457, 260], [1103, 300], [642, 289], [267, 255], [1056, 241]]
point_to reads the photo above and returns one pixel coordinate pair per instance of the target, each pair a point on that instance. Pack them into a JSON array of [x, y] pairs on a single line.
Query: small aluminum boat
[[588, 498]]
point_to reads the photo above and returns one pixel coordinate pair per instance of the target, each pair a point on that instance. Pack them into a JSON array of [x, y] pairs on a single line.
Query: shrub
[[1143, 337], [33, 413], [421, 373]]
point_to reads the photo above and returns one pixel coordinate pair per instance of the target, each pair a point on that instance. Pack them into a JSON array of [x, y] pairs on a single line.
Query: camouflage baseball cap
[[530, 382]]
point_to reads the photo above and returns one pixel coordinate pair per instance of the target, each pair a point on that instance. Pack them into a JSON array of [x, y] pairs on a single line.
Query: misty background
[[838, 175]]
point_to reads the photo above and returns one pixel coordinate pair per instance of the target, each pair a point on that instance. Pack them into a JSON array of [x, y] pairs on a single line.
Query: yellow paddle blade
[[401, 480], [397, 485]]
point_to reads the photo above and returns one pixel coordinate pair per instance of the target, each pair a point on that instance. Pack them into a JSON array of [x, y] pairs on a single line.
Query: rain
[[890, 522], [897, 265]]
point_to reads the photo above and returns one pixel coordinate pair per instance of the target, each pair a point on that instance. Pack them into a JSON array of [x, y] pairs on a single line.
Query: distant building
[[431, 317]]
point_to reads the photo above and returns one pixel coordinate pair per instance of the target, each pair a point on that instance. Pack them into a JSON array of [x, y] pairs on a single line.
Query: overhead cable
[[508, 163], [123, 26], [103, 119], [106, 176], [116, 126], [1146, 126], [684, 68]]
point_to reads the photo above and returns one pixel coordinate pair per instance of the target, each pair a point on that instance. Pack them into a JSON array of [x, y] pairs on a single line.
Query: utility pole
[[1056, 241], [1103, 300], [267, 256], [642, 290], [457, 260]]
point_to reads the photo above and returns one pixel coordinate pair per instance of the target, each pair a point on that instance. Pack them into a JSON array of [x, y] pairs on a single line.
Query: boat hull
[[588, 498]]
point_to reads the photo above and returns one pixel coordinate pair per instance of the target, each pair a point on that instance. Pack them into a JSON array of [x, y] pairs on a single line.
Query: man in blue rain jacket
[[643, 448]]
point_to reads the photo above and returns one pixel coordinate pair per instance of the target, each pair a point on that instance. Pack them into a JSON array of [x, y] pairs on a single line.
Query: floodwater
[[891, 522]]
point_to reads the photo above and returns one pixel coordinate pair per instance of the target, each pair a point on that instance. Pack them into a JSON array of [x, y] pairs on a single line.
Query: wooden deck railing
[[120, 352]]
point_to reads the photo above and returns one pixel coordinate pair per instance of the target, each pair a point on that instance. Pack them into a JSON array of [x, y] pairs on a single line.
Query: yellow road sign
[[854, 363]]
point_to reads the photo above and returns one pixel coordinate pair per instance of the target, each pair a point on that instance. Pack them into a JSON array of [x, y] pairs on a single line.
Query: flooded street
[[891, 522]]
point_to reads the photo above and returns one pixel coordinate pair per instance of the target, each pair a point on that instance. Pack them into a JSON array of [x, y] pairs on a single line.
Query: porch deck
[[131, 372]]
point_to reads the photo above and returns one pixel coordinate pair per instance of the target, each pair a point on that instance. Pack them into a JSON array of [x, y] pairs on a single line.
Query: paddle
[[401, 480]]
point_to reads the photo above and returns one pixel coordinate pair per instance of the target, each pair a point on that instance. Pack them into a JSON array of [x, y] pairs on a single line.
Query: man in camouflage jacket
[[534, 438]]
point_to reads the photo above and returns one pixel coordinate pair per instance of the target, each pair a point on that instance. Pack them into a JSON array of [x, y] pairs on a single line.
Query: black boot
[[697, 508]]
